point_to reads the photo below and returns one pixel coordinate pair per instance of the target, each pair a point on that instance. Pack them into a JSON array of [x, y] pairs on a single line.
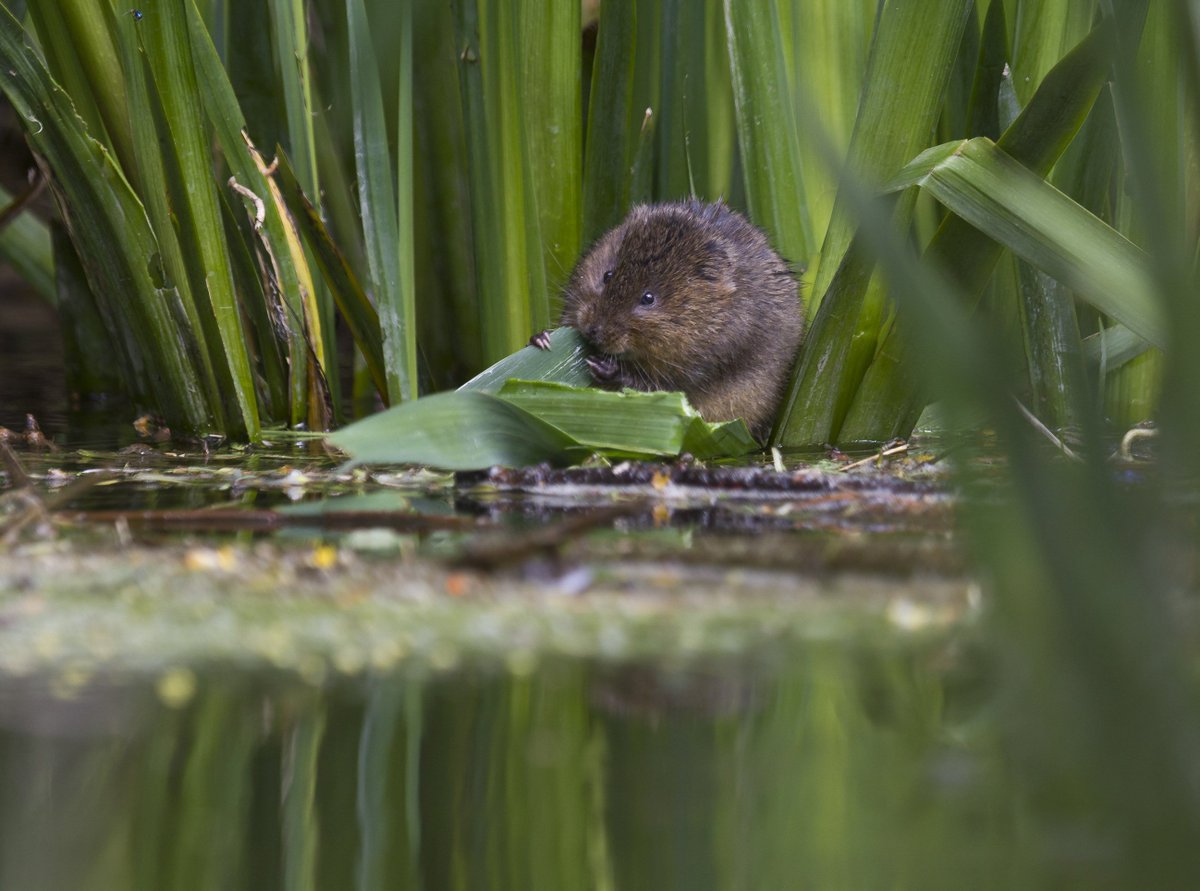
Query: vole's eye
[[607, 275], [648, 299]]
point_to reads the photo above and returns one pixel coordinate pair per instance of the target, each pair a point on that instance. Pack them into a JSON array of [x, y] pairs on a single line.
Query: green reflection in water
[[840, 766]]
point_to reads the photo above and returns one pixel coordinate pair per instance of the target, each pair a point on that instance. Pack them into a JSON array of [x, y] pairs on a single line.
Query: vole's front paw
[[541, 340], [605, 369]]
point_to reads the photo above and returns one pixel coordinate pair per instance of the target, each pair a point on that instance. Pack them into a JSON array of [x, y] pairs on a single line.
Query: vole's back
[[690, 296]]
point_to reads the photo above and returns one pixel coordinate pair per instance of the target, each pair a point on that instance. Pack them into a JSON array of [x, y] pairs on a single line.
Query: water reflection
[[840, 766]]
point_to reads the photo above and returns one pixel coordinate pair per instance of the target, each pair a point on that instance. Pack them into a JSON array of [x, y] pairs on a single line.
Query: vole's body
[[690, 297]]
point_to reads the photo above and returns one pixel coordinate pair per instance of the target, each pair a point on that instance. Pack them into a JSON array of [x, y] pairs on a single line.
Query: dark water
[[31, 360], [840, 766]]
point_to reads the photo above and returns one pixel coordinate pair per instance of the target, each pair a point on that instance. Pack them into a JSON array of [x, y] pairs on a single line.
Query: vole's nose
[[592, 333]]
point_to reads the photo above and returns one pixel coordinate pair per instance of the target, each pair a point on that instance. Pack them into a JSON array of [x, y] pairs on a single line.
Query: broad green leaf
[[723, 439], [528, 422], [1008, 202], [629, 422], [453, 431], [562, 363]]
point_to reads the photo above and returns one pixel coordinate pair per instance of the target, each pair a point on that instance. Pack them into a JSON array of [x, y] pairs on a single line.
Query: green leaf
[[352, 302], [1044, 32], [830, 40], [766, 127], [202, 235], [911, 59], [562, 363], [628, 422], [563, 422], [504, 222], [389, 248], [888, 401], [606, 175], [288, 279], [110, 230], [1012, 205], [453, 431], [552, 102], [1114, 346]]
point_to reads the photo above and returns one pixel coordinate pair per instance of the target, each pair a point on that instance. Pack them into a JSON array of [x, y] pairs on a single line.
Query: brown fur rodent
[[690, 296]]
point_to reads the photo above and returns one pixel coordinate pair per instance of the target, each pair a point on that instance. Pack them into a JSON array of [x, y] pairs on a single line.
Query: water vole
[[690, 296]]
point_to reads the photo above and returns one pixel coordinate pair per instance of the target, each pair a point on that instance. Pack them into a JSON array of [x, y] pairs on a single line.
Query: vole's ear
[[713, 262]]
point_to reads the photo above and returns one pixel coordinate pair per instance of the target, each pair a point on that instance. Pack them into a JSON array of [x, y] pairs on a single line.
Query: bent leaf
[[661, 424], [1005, 200], [562, 363], [453, 431], [498, 419]]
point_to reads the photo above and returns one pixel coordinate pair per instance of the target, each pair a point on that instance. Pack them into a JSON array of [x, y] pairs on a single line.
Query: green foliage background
[[443, 165]]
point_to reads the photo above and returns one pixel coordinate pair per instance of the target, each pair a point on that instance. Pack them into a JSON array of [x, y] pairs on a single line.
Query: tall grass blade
[[606, 175], [383, 200], [109, 228], [1043, 32], [888, 402], [509, 269], [87, 345], [1054, 354], [448, 311], [285, 279], [830, 40], [766, 127], [552, 101], [291, 41], [155, 177], [90, 26], [168, 47], [352, 302], [911, 57], [290, 32], [68, 64]]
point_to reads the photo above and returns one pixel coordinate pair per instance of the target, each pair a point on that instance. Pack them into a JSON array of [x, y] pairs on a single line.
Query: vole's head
[[654, 290]]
